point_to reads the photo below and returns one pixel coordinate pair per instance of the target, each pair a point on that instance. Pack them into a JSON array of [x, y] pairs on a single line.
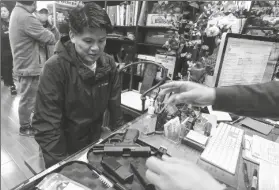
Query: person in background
[[26, 35], [6, 53], [46, 51], [258, 100], [78, 83]]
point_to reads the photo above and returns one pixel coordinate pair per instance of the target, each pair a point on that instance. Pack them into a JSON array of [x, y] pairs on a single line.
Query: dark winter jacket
[[258, 100], [71, 101], [5, 42]]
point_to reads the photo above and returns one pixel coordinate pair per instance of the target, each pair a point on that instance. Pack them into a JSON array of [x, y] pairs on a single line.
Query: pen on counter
[[254, 180], [246, 178]]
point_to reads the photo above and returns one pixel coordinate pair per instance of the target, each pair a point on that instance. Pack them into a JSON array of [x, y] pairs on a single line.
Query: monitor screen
[[247, 60]]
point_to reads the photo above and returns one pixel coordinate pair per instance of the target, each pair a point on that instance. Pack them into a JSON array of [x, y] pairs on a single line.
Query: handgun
[[122, 150], [126, 146]]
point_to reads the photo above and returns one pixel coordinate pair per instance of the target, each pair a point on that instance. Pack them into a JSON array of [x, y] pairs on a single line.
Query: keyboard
[[224, 147]]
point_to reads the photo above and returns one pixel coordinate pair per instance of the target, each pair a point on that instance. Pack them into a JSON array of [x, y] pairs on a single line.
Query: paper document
[[265, 150], [247, 150], [221, 116], [268, 176], [197, 137], [132, 99]]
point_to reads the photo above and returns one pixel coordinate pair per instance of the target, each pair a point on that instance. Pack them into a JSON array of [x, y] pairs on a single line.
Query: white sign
[[69, 2], [168, 62]]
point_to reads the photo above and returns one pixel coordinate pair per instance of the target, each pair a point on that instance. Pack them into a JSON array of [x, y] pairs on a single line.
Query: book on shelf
[[143, 14], [124, 14]]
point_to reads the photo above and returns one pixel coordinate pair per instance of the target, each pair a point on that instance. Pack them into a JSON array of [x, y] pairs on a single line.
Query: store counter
[[180, 151]]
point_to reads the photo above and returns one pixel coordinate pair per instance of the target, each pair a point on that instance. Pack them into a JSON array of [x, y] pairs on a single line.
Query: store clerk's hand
[[189, 93], [7, 32], [172, 173]]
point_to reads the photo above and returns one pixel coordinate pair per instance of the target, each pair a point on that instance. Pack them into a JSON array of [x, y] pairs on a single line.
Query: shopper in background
[[79, 82], [46, 51], [26, 34], [6, 53]]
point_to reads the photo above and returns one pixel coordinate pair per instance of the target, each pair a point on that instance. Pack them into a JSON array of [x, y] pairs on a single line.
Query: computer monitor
[[245, 59]]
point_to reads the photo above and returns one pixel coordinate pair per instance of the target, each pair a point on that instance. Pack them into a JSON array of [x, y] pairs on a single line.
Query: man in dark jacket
[[258, 100], [77, 85]]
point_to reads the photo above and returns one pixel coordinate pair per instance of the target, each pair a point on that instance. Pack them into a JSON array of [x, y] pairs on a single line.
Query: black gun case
[[82, 172]]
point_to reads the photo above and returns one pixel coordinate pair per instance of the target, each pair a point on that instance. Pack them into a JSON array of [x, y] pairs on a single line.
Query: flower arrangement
[[192, 34]]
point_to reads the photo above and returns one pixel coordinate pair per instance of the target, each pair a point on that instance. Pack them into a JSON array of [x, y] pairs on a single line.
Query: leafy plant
[[189, 33]]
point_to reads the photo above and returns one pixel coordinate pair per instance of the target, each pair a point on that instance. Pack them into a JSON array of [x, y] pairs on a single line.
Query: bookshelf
[[140, 44]]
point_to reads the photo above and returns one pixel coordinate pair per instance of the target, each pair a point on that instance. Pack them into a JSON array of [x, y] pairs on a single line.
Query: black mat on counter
[[81, 172]]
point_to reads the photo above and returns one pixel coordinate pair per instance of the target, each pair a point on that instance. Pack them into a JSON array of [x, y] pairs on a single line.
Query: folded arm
[[35, 29]]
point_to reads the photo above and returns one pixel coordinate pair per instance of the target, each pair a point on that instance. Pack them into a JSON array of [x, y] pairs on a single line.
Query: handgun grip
[[131, 136]]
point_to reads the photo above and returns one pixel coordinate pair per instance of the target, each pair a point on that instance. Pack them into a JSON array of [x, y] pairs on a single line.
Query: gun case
[[84, 173]]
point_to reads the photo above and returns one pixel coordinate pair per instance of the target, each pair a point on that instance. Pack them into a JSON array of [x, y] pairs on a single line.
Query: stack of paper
[[265, 150], [132, 99], [268, 176], [247, 150], [221, 116]]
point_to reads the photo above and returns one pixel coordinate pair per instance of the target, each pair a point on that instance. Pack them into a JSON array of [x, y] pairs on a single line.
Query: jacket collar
[[67, 51]]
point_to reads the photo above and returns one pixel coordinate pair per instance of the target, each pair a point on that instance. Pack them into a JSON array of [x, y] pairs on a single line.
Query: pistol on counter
[[125, 146]]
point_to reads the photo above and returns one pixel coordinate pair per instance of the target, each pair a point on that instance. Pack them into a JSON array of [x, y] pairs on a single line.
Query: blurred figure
[[26, 35], [6, 53], [46, 51]]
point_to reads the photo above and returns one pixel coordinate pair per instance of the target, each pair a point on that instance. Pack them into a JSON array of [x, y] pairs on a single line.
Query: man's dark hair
[[90, 15], [26, 2], [4, 5]]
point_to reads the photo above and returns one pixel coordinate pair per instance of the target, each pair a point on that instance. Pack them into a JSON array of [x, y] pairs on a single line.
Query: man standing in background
[[46, 51], [26, 34]]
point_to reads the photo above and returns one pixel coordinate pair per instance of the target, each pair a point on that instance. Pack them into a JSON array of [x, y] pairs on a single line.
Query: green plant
[[189, 33]]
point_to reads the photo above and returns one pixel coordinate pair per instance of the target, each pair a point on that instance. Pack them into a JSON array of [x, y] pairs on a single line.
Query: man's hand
[[7, 32], [173, 173], [189, 93], [49, 19]]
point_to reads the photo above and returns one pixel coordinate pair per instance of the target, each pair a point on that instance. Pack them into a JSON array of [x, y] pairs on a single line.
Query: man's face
[[4, 13], [90, 44], [43, 17]]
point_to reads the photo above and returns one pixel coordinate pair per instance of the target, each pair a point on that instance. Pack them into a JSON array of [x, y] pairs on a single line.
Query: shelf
[[151, 45], [157, 27], [121, 40], [124, 26], [262, 28]]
